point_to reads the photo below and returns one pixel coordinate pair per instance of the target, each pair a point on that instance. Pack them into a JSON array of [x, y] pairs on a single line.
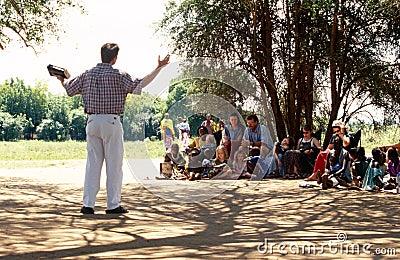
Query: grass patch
[[34, 153], [142, 150], [42, 150], [372, 137]]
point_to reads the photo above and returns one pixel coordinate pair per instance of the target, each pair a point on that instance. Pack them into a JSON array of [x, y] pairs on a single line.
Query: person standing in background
[[209, 124], [167, 129]]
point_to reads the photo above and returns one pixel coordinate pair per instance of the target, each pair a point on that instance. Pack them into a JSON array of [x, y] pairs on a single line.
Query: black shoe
[[87, 210], [117, 210]]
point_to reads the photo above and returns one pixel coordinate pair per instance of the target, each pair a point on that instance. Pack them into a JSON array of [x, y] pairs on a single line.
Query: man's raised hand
[[163, 62]]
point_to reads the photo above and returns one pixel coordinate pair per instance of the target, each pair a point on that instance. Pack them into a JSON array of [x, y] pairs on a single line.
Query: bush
[[51, 130], [12, 127], [78, 123]]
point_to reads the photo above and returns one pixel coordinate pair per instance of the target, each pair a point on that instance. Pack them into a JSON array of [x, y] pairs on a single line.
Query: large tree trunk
[[332, 68]]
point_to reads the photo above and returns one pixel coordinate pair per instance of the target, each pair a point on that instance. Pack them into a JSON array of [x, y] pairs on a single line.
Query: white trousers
[[104, 136]]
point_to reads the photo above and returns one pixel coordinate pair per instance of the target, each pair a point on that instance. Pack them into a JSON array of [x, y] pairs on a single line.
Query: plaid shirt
[[104, 89]]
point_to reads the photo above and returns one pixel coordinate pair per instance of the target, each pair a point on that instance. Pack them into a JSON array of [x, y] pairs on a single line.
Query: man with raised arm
[[104, 90]]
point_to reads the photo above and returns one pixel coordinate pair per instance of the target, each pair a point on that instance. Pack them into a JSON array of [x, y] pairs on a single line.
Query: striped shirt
[[103, 89]]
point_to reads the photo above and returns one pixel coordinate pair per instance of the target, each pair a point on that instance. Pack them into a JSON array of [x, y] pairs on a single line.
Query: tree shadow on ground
[[43, 221]]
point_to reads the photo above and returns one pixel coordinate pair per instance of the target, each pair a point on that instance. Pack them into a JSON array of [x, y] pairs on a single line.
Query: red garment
[[320, 162]]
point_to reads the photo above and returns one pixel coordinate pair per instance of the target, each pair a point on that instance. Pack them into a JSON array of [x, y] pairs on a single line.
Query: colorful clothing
[[392, 170], [167, 129], [210, 125], [371, 180]]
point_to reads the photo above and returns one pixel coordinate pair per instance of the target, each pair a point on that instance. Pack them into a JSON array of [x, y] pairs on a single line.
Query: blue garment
[[261, 134], [264, 166], [233, 134], [370, 178], [346, 174]]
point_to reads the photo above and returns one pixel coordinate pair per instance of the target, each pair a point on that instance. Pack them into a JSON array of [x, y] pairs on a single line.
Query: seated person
[[301, 161], [232, 134], [239, 165], [176, 158], [195, 144], [207, 142], [393, 166], [207, 163], [339, 129], [337, 166], [359, 166], [258, 139], [373, 180], [200, 164], [221, 170], [279, 155]]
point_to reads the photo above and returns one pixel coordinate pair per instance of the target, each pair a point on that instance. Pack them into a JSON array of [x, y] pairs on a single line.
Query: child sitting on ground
[[359, 166], [373, 180], [393, 167], [279, 156], [239, 167], [220, 168], [175, 157], [337, 167]]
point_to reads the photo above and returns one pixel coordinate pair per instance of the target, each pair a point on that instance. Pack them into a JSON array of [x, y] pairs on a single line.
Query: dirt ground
[[271, 219]]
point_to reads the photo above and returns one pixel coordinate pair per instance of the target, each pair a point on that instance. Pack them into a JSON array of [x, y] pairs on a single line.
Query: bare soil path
[[39, 216]]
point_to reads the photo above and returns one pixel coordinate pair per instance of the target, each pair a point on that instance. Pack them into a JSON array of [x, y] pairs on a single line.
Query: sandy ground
[[40, 218]]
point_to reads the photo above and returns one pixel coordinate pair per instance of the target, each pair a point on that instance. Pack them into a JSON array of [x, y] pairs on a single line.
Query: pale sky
[[129, 23]]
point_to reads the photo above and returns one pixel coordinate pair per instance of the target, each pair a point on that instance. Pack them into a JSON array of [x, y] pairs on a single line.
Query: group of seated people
[[206, 159], [245, 152], [342, 163]]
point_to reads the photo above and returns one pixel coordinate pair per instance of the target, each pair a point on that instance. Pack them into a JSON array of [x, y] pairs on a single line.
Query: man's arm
[[150, 77]]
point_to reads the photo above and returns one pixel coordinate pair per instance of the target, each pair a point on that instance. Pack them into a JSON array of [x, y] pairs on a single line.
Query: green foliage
[[376, 135], [142, 116], [77, 102], [78, 123], [18, 99], [51, 130], [12, 127], [184, 88], [31, 21], [59, 109], [298, 49]]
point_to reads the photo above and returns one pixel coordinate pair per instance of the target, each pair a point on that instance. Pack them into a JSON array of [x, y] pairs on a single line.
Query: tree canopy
[[31, 21], [302, 53]]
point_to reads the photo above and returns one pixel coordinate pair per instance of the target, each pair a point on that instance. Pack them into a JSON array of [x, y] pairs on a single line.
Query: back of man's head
[[108, 52]]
